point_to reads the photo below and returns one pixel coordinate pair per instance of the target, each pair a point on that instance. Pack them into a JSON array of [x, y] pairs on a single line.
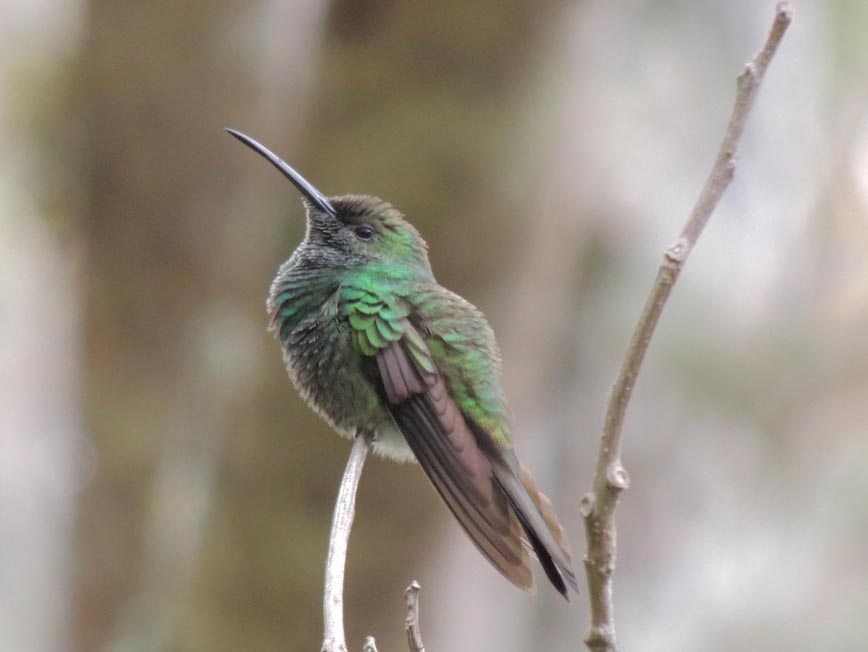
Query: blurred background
[[162, 487]]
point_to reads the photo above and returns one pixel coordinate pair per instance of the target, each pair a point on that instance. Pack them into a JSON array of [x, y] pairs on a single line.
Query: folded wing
[[494, 499]]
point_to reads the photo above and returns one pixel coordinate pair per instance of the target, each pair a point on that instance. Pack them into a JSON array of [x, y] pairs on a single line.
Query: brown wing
[[448, 452]]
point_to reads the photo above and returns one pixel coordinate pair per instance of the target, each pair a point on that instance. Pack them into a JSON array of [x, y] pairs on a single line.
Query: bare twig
[[414, 636], [598, 506], [342, 521]]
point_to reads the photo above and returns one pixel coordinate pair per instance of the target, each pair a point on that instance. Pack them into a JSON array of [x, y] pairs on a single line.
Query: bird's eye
[[364, 232]]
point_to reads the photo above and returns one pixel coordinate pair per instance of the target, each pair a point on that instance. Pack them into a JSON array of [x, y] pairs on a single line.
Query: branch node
[[586, 505], [617, 477], [748, 77], [600, 639], [677, 251], [784, 15], [330, 644]]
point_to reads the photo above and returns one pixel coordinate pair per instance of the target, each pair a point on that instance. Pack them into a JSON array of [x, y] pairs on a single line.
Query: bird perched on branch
[[378, 348]]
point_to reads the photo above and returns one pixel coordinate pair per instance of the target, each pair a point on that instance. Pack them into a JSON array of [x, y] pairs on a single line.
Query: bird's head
[[354, 231]]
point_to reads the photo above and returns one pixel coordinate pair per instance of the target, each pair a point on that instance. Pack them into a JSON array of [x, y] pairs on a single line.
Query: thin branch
[[342, 521], [414, 636], [598, 506]]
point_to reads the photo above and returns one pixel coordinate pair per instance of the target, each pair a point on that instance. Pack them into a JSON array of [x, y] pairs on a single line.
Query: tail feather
[[543, 530], [546, 509]]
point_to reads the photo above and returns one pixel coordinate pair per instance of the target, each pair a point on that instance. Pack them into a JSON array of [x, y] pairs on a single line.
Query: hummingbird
[[379, 349]]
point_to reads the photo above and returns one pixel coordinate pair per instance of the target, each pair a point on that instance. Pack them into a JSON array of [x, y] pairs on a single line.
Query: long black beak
[[304, 186]]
